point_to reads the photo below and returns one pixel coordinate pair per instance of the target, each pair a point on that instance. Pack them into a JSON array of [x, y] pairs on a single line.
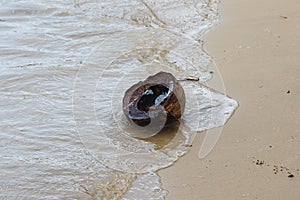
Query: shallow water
[[65, 66]]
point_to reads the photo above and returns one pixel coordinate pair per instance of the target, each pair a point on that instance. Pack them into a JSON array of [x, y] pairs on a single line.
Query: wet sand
[[256, 48]]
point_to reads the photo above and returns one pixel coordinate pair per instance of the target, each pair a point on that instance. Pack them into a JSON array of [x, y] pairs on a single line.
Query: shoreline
[[255, 46]]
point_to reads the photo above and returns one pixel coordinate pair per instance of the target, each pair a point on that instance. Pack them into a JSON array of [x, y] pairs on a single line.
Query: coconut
[[159, 96]]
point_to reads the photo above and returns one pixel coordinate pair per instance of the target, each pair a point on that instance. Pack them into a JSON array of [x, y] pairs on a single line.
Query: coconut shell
[[157, 91]]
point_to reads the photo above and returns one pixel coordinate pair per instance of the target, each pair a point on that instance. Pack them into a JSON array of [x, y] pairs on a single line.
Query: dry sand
[[257, 50]]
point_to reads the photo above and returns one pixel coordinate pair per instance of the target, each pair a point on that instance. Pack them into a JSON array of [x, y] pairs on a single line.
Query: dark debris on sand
[[276, 168]]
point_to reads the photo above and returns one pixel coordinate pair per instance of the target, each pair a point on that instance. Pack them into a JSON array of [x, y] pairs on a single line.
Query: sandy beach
[[256, 48], [65, 67]]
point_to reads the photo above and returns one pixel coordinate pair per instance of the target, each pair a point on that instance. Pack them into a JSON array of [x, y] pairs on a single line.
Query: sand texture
[[257, 50]]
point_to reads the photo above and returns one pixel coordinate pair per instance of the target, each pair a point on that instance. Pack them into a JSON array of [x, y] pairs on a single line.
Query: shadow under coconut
[[165, 136]]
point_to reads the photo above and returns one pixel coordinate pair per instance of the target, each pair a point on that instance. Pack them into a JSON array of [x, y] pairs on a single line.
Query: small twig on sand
[[190, 78]]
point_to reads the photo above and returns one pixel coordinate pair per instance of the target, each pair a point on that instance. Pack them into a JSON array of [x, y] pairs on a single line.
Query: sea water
[[65, 66]]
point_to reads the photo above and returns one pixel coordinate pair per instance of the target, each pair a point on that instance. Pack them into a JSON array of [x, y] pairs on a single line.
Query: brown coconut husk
[[157, 91]]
